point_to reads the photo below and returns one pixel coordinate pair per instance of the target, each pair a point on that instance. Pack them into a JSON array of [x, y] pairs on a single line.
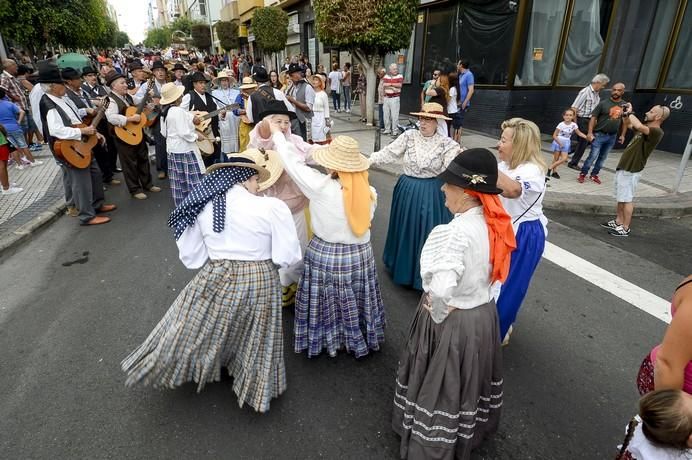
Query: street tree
[[121, 39], [158, 38], [228, 34], [201, 36], [270, 27], [369, 29]]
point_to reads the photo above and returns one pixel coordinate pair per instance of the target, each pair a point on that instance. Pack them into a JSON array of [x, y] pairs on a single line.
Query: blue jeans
[[600, 148], [336, 99], [380, 112], [347, 98]]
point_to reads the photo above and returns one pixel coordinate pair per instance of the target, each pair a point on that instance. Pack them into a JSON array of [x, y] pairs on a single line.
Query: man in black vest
[[159, 71], [261, 99], [94, 90], [81, 100], [302, 96], [200, 100], [58, 115], [133, 158]]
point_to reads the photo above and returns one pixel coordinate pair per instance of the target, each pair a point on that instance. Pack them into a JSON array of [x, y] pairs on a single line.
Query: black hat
[[157, 65], [135, 65], [88, 70], [293, 68], [198, 76], [48, 72], [275, 107], [68, 73], [473, 169], [260, 75], [112, 76], [179, 66]]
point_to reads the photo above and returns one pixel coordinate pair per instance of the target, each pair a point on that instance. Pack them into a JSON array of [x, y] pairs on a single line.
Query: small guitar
[[206, 117], [132, 133], [79, 153]]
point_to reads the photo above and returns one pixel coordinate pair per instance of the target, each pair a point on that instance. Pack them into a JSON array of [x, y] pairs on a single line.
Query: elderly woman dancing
[[417, 203], [229, 315], [448, 392]]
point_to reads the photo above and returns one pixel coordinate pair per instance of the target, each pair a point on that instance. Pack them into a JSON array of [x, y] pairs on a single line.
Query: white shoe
[[12, 190], [20, 167], [36, 163], [505, 341]]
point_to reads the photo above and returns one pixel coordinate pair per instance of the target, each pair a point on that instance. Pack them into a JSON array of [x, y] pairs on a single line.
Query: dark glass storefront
[[531, 57]]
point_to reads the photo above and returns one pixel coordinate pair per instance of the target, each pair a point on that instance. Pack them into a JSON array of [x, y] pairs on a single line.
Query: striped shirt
[[586, 101], [14, 89], [392, 79]]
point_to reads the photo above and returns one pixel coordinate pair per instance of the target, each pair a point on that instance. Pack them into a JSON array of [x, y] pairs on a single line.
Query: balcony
[[230, 12], [245, 8]]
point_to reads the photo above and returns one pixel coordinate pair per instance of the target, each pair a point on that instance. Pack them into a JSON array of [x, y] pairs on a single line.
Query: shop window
[[680, 70], [402, 58], [657, 44], [542, 43], [442, 40], [587, 34]]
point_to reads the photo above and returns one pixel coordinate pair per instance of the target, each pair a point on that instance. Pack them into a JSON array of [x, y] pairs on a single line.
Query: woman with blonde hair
[[522, 179], [439, 93]]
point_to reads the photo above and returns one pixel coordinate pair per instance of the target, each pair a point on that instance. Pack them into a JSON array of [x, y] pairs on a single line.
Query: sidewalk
[[653, 196]]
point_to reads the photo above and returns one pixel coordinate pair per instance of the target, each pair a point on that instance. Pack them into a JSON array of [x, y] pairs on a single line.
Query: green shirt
[[637, 152], [608, 115], [3, 140], [426, 87]]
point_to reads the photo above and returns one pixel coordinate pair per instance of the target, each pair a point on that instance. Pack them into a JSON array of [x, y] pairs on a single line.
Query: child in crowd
[[561, 141], [7, 187], [662, 430]]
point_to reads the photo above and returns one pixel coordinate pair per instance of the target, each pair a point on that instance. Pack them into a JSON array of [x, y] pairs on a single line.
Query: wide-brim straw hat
[[271, 162], [242, 162], [170, 92], [248, 83], [223, 74], [431, 110], [342, 155]]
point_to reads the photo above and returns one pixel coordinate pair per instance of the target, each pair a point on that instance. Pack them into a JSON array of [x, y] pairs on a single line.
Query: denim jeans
[[336, 99], [600, 147], [380, 112], [347, 98]]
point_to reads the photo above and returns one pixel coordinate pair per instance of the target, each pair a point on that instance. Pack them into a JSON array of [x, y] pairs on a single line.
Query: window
[[542, 43], [402, 58], [442, 39], [657, 44], [680, 71], [587, 35]]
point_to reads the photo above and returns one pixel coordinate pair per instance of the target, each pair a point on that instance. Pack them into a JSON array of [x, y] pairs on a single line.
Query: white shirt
[[643, 449], [185, 103], [455, 264], [34, 100], [278, 95], [334, 80], [256, 228], [56, 127], [142, 91], [180, 134], [228, 96], [112, 112], [452, 104], [532, 181], [327, 212], [321, 103]]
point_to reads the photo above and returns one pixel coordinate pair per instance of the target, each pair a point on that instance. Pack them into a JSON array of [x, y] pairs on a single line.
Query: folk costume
[[417, 201], [185, 163], [203, 102], [241, 112], [229, 314], [448, 393], [159, 140], [338, 304], [228, 123]]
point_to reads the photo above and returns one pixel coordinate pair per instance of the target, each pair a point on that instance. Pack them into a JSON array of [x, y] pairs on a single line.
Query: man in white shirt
[[264, 93], [159, 72], [587, 100], [58, 115]]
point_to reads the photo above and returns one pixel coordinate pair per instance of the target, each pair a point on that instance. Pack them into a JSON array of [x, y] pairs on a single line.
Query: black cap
[[48, 72], [473, 169], [293, 68], [260, 75], [275, 107], [157, 65], [179, 66], [88, 70], [135, 65], [68, 73]]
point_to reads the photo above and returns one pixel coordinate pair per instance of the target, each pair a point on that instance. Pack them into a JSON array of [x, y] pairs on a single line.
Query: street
[[77, 300]]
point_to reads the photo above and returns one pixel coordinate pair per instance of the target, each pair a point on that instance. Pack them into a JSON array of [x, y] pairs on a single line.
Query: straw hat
[[342, 155], [431, 110], [270, 160], [248, 83], [223, 74], [170, 92], [243, 162]]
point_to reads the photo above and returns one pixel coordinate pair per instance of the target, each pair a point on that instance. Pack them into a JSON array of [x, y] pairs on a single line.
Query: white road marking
[[631, 293]]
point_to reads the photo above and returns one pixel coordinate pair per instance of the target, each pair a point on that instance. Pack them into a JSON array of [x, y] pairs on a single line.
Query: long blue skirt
[[530, 245], [418, 205]]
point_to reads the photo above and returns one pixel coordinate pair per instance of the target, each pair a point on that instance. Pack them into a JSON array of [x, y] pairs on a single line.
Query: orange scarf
[[500, 234], [357, 200]]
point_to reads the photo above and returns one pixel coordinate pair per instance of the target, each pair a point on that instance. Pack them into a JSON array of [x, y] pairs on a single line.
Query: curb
[[26, 231]]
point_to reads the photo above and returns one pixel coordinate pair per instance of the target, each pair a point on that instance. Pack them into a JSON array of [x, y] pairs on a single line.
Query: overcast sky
[[132, 17]]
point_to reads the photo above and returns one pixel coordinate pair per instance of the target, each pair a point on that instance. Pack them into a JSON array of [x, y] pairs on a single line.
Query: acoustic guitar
[[206, 145], [79, 153], [132, 133]]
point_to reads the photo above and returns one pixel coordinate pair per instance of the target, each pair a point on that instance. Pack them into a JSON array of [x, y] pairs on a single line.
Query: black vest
[[206, 105], [260, 99], [122, 106], [78, 101], [46, 105], [97, 91]]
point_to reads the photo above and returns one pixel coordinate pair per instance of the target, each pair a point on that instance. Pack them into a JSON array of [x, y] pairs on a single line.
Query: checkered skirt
[[338, 303], [184, 173], [229, 316]]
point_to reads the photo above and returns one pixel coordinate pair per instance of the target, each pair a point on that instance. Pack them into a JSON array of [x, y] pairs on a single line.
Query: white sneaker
[[20, 167], [36, 163], [12, 190]]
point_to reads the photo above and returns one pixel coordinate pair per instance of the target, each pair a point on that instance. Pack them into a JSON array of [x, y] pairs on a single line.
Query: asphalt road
[[77, 300]]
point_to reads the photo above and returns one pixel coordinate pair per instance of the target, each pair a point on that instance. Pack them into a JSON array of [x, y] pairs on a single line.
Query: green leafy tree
[[121, 39], [369, 29], [182, 24], [228, 34], [201, 36], [270, 27], [158, 38]]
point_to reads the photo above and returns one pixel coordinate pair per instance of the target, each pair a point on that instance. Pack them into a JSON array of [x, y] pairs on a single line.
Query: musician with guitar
[[132, 148], [95, 90], [87, 110], [152, 111], [198, 99], [58, 118]]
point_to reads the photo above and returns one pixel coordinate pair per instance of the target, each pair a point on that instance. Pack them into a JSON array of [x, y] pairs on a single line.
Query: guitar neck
[[99, 116], [218, 111]]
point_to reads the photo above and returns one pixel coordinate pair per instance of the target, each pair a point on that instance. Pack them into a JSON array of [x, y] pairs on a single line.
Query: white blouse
[[532, 181], [327, 212], [642, 449], [423, 157], [455, 264], [321, 103], [256, 228]]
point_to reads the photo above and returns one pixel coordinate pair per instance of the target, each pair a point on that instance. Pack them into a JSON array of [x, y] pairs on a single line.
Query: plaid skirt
[[338, 303], [229, 315], [184, 173], [448, 393]]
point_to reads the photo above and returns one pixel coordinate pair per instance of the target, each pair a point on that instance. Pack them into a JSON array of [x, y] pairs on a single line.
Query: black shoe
[[619, 231], [573, 166], [611, 224], [555, 175]]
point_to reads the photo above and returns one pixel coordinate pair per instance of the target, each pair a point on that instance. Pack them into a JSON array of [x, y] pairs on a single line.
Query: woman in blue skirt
[[522, 179], [418, 201]]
